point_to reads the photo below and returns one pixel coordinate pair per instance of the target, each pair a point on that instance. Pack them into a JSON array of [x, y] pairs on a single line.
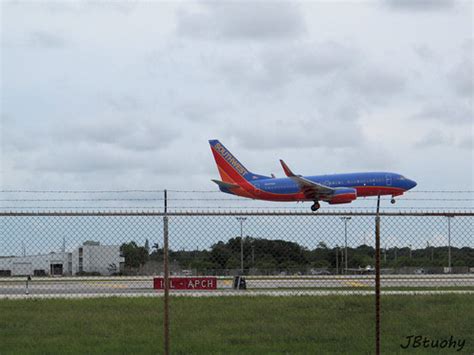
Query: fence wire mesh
[[282, 253], [319, 257]]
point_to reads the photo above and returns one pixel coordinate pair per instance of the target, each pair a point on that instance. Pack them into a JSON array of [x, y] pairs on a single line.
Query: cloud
[[461, 77], [133, 99], [425, 53], [438, 138], [467, 142], [324, 68], [129, 131], [322, 59], [434, 138], [310, 132], [449, 111], [124, 102], [200, 109], [94, 158], [419, 5], [242, 20], [84, 157], [374, 83], [75, 7], [45, 39]]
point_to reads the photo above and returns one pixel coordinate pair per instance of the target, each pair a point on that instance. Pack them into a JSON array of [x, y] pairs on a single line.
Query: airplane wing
[[310, 188]]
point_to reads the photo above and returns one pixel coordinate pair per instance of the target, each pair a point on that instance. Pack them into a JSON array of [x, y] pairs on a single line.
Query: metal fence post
[[377, 279], [166, 321]]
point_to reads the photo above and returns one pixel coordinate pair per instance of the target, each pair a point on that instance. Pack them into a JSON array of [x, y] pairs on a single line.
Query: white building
[[91, 257], [36, 265]]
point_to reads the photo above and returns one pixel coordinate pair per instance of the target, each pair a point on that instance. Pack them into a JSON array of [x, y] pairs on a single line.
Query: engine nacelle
[[343, 195]]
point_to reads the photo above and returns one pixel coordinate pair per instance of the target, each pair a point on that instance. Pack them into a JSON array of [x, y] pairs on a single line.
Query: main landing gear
[[392, 201], [315, 206]]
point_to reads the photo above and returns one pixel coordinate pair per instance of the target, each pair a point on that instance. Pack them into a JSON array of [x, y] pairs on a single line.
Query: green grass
[[218, 325]]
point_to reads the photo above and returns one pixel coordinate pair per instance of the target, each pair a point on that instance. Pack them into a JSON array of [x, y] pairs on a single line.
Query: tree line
[[268, 255]]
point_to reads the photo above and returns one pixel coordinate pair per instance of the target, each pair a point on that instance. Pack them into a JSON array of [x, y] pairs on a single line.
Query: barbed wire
[[181, 191], [82, 200], [201, 199], [80, 191], [194, 208]]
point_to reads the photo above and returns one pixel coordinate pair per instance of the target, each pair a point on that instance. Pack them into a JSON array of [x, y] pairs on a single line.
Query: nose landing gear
[[392, 201], [315, 206]]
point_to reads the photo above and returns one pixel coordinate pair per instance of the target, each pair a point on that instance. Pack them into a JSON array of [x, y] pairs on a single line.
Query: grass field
[[250, 325]]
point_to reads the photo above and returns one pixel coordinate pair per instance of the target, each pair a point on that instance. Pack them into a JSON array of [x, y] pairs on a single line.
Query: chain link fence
[[291, 252], [102, 254]]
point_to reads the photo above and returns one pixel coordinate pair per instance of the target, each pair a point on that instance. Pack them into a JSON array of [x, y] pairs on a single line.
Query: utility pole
[[241, 220], [449, 242], [345, 219]]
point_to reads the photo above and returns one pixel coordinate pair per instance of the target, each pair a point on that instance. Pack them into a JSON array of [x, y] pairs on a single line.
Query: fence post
[[377, 279], [166, 321]]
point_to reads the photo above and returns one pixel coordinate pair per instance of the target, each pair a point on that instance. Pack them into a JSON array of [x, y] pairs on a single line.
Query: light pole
[[449, 242], [241, 220], [345, 219]]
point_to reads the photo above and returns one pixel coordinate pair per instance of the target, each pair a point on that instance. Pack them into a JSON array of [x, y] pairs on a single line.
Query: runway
[[80, 287]]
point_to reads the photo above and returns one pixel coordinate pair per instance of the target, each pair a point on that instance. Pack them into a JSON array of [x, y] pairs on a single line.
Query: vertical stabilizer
[[230, 169]]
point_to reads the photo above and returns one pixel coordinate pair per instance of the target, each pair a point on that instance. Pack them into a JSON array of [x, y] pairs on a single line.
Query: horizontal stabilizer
[[225, 185]]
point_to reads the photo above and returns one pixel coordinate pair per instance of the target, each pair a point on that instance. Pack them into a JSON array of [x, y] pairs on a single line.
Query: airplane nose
[[411, 184]]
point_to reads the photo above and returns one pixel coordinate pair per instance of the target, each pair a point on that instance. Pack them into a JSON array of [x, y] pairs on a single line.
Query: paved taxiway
[[291, 285]]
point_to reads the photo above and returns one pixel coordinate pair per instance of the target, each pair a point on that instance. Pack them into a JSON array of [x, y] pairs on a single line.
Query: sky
[[104, 95]]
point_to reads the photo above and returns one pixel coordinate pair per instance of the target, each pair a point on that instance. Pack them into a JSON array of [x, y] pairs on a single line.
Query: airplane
[[368, 270], [333, 189], [362, 270]]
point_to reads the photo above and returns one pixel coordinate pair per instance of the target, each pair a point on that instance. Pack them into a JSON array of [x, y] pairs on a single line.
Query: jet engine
[[343, 195]]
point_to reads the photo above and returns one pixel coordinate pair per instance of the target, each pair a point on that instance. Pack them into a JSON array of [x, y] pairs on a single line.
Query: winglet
[[286, 169]]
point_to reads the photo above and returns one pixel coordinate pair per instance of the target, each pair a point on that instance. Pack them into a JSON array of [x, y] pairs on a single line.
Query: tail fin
[[230, 169]]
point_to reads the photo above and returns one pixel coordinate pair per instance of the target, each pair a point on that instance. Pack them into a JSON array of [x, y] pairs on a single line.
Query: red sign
[[186, 283]]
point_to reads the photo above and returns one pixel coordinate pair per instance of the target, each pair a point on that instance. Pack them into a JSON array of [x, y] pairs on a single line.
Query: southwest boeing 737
[[333, 189]]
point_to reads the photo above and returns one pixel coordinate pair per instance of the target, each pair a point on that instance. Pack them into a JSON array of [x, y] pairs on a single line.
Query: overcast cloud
[[126, 94]]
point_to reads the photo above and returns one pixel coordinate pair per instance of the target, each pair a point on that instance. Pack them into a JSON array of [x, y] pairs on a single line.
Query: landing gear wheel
[[315, 206], [392, 201]]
